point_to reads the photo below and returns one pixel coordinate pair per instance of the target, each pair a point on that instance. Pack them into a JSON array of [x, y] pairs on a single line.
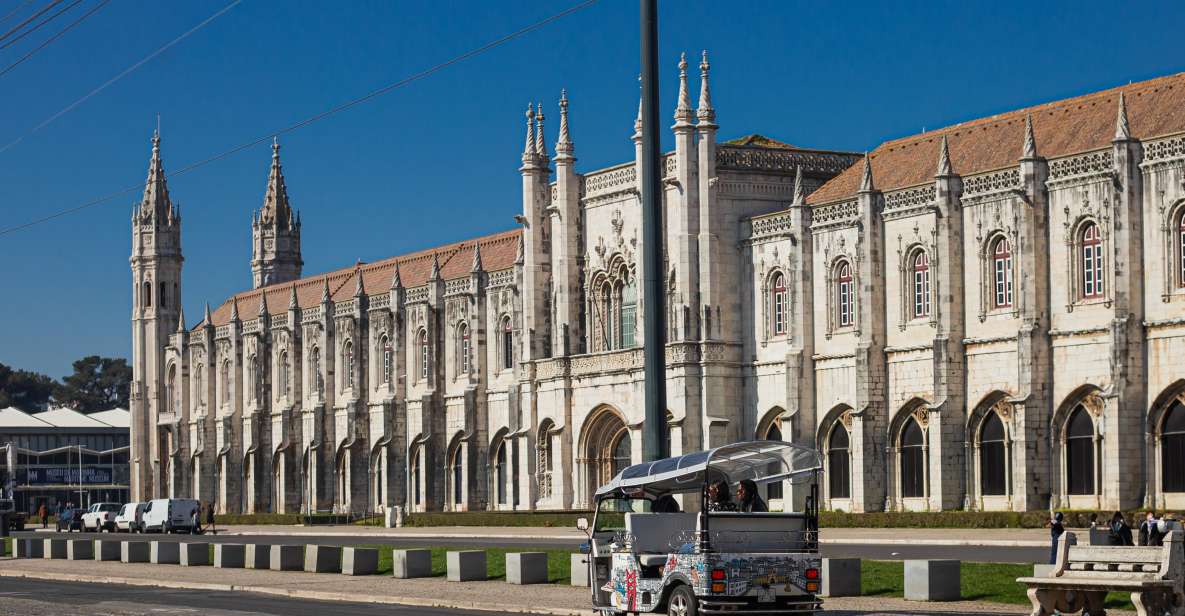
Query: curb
[[965, 543], [296, 594]]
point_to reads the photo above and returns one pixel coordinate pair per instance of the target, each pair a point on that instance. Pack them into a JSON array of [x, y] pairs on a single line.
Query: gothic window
[[507, 344], [423, 344], [920, 264], [463, 349], [779, 300], [1172, 448], [225, 382], [170, 391], [146, 296], [1091, 250], [845, 314], [913, 460], [385, 345], [607, 315], [629, 314], [500, 472], [198, 373], [416, 476], [457, 475], [993, 464], [543, 459], [252, 373], [1002, 273], [1080, 452], [285, 384], [773, 489], [161, 298], [315, 369], [621, 452], [839, 482], [1179, 246], [348, 364]]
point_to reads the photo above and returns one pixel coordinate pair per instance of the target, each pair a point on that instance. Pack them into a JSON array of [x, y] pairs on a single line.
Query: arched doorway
[[1080, 453], [607, 447], [1172, 448]]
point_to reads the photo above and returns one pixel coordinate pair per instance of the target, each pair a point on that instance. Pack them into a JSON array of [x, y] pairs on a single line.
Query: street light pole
[[654, 309]]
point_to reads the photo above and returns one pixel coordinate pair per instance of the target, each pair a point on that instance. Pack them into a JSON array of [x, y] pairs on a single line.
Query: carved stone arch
[[601, 437], [769, 301], [906, 254], [841, 413], [998, 404], [831, 290], [1173, 393], [777, 419], [915, 408], [1172, 231], [1089, 397], [903, 457]]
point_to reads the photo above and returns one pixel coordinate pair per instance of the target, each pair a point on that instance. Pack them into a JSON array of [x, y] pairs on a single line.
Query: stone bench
[[80, 549], [105, 549], [411, 563], [841, 577], [134, 552], [359, 561], [932, 580], [579, 570], [230, 555], [466, 565], [195, 554], [322, 559], [53, 548], [1083, 575], [257, 556], [287, 558], [526, 567], [165, 553]]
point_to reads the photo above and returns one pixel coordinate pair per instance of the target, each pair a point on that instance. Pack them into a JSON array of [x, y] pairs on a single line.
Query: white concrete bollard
[[287, 558], [134, 552], [322, 559], [53, 548], [840, 577], [579, 570], [932, 580], [80, 549], [526, 567], [29, 548], [258, 556], [466, 565], [360, 561], [105, 549], [411, 563], [165, 553], [229, 555], [195, 554]]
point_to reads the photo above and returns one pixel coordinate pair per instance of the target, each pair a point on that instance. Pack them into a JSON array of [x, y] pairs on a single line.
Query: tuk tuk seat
[[757, 532], [653, 534]]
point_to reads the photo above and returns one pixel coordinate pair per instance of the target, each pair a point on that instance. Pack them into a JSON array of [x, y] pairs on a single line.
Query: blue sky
[[437, 161]]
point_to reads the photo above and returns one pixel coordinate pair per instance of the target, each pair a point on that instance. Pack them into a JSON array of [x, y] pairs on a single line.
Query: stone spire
[[325, 290], [866, 184], [359, 290], [520, 255], [275, 201], [799, 189], [638, 120], [396, 281], [683, 109], [1123, 131], [206, 317], [262, 305], [435, 274], [234, 309], [944, 168], [705, 113], [292, 303], [180, 319], [540, 145], [155, 204], [529, 147], [1030, 147], [476, 267], [563, 145]]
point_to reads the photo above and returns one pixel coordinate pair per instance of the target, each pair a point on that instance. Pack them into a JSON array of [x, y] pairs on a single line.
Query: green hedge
[[964, 519], [557, 519]]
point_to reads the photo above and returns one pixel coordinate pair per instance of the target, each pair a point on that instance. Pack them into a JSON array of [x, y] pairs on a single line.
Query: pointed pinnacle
[[683, 109], [1030, 147], [396, 281], [206, 317], [529, 147], [476, 267], [866, 184], [234, 308], [292, 304], [1123, 131], [181, 320], [262, 305], [358, 287], [705, 113], [540, 145], [944, 168], [638, 120], [563, 145], [520, 255], [799, 189], [435, 273], [325, 290]]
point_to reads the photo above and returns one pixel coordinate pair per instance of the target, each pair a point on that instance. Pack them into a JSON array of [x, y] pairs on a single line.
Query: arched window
[[423, 344], [1002, 272], [507, 344], [1080, 452], [385, 345], [839, 472], [500, 472], [162, 297], [913, 460], [170, 389], [921, 284], [778, 301], [252, 384], [773, 489], [1180, 231], [543, 460], [416, 479], [146, 296], [629, 314], [457, 473], [285, 382], [463, 349], [1172, 448], [348, 364], [621, 452], [993, 465], [315, 370], [225, 376], [1092, 261], [843, 294], [199, 372], [609, 316]]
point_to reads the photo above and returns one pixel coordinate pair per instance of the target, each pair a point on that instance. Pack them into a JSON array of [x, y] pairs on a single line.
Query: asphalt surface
[[80, 598], [872, 551]]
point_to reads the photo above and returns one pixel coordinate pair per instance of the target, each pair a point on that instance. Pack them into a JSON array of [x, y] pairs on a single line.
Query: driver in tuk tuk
[[748, 501]]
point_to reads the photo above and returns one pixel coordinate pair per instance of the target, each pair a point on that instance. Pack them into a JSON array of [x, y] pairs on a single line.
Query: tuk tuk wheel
[[682, 602]]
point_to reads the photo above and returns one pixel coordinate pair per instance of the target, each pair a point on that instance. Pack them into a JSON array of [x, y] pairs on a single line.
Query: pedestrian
[[1150, 530], [1121, 533], [1094, 520], [43, 513], [748, 500], [195, 520], [210, 519], [1056, 528]]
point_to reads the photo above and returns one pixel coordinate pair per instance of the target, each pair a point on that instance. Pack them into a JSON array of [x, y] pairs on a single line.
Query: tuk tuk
[[645, 555]]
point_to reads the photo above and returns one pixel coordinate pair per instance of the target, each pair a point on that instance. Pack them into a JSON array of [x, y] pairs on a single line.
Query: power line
[[121, 75], [38, 26], [320, 116], [53, 38], [30, 18], [16, 10]]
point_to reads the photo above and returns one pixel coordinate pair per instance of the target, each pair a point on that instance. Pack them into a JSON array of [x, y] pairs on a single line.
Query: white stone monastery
[[986, 316]]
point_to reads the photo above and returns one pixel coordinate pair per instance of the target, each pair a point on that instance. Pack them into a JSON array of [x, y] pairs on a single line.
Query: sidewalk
[[547, 599]]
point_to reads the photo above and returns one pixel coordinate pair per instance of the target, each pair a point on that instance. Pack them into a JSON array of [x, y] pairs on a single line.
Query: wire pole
[[654, 443]]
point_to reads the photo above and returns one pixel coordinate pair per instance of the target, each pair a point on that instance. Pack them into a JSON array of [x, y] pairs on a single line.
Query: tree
[[98, 384], [27, 391]]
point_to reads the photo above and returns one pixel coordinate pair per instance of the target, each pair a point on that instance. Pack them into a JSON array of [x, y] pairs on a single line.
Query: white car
[[100, 517], [169, 515], [128, 518]]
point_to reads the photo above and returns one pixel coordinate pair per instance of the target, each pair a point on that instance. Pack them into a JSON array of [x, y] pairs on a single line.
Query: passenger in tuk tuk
[[665, 504], [748, 499], [718, 497]]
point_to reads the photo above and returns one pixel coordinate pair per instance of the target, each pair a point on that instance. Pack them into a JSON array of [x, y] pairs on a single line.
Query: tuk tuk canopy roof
[[761, 461]]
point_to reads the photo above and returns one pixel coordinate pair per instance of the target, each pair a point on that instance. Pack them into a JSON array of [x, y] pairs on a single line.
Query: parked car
[[129, 517], [70, 520], [100, 517], [169, 515], [16, 519]]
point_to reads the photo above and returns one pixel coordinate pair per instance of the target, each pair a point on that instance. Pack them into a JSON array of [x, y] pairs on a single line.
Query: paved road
[[996, 554], [25, 597]]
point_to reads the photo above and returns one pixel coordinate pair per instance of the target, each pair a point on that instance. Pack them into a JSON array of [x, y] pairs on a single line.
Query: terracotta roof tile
[[1155, 108], [497, 253]]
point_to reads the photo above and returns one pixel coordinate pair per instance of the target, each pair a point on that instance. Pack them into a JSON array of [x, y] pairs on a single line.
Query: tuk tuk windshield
[[611, 512]]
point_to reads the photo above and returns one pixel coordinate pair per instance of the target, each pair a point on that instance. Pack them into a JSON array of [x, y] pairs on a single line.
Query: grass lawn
[[980, 582], [6, 549]]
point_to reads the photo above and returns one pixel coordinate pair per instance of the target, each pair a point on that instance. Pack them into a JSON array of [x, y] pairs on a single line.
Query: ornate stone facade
[[944, 319]]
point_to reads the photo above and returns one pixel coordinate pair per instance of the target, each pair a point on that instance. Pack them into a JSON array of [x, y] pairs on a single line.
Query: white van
[[168, 515], [128, 519]]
